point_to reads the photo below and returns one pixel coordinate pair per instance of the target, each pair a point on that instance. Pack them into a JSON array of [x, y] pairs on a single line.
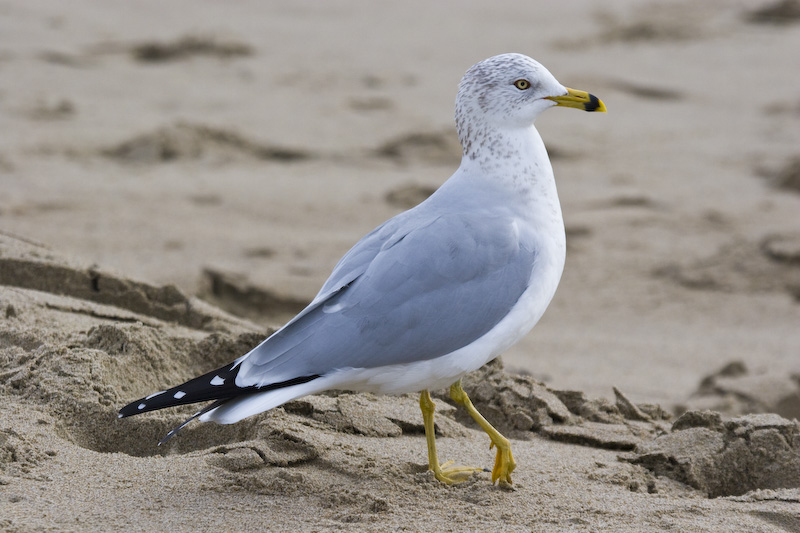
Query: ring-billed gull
[[436, 291]]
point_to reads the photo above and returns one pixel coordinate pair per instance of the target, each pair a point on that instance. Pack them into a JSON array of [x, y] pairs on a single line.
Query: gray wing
[[416, 288]]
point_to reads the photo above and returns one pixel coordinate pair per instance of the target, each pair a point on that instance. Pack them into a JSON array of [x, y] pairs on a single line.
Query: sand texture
[[178, 179]]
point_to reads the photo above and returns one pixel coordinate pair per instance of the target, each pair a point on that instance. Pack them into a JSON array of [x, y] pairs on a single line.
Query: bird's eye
[[522, 84]]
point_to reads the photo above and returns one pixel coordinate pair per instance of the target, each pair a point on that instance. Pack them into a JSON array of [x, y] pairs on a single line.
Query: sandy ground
[[176, 178]]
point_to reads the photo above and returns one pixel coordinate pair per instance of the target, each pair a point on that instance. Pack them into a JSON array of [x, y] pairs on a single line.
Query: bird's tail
[[220, 386]]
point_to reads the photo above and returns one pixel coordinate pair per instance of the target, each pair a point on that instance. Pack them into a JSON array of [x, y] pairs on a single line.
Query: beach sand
[[177, 180]]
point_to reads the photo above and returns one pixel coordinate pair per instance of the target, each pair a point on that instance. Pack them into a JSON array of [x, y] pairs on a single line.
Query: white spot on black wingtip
[[141, 406], [155, 394], [178, 395], [218, 381], [119, 416]]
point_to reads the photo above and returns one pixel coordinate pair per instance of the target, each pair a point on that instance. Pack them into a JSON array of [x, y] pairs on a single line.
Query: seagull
[[434, 292]]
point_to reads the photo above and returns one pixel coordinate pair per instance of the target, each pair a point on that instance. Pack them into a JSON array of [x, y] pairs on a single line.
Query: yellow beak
[[579, 100]]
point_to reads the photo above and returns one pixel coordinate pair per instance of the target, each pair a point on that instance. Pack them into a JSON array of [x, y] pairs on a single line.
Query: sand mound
[[770, 264], [26, 265], [237, 295], [439, 148], [786, 177], [780, 13], [193, 141], [734, 390], [81, 341], [727, 458], [188, 47]]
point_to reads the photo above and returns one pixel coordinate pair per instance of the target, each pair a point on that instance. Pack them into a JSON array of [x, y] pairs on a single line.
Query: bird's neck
[[512, 168], [514, 160]]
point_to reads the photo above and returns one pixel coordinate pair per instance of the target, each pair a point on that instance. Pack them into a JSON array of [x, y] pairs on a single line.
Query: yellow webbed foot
[[446, 473], [504, 464], [450, 475]]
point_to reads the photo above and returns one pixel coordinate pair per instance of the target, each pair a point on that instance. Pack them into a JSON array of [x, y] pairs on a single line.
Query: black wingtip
[[219, 384]]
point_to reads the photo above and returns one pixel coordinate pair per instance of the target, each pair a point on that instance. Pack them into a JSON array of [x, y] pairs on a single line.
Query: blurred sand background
[[235, 150]]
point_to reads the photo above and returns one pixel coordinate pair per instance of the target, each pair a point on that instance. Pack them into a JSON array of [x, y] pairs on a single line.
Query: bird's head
[[509, 91]]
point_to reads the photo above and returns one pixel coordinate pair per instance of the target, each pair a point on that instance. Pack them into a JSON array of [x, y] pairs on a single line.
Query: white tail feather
[[240, 408]]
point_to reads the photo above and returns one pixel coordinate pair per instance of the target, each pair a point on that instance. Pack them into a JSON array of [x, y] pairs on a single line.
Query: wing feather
[[412, 292]]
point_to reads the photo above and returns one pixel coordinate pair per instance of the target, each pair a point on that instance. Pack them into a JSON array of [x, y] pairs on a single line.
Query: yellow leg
[[504, 462], [444, 473]]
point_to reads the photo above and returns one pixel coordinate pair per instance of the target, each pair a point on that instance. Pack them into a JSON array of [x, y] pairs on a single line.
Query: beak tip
[[595, 104]]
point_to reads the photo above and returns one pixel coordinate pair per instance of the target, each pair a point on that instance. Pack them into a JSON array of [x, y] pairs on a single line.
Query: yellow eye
[[522, 84]]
